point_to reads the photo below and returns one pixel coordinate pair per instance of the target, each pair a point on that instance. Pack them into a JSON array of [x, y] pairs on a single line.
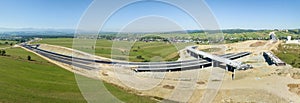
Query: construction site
[[238, 72]]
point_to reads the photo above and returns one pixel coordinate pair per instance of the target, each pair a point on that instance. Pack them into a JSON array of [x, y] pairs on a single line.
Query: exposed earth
[[262, 84]]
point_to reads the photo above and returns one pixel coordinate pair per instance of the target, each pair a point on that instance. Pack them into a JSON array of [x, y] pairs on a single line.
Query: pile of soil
[[200, 82], [168, 87], [294, 88], [257, 44]]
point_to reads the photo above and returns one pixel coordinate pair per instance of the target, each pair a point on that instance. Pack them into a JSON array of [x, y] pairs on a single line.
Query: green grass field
[[139, 52], [289, 53], [6, 43], [24, 81]]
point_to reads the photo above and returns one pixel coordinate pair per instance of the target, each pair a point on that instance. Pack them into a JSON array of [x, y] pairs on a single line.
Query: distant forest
[[230, 34]]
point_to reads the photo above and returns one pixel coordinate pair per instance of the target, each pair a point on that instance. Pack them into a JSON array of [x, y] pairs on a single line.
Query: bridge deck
[[214, 57]]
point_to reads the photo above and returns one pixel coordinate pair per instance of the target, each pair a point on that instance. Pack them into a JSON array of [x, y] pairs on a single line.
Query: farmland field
[[139, 52], [37, 80]]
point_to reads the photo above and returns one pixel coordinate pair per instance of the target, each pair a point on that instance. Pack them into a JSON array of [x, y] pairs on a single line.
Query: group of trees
[[107, 36], [3, 53], [7, 43]]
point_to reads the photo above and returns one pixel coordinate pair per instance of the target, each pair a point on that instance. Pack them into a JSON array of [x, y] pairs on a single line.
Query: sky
[[41, 13], [229, 14], [257, 14]]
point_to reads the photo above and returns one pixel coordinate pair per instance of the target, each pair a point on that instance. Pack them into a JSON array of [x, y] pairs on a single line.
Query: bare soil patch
[[257, 44], [294, 88], [247, 96], [104, 73], [168, 87], [200, 82], [294, 73]]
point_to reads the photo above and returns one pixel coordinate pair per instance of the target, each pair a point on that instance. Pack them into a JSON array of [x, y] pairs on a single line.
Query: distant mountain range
[[33, 29]]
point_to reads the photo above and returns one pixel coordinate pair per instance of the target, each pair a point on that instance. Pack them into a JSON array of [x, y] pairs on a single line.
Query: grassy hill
[[35, 81], [24, 81], [289, 53]]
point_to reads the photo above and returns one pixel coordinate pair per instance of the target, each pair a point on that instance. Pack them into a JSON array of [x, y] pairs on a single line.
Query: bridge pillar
[[233, 74], [215, 63], [201, 56], [232, 69], [226, 67], [229, 68]]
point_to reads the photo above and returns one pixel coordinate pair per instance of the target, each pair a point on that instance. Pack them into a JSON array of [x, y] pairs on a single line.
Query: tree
[[6, 43], [11, 44], [139, 57], [29, 57], [3, 52]]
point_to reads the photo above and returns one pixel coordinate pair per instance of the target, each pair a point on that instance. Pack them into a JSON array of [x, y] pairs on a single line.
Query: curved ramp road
[[137, 66]]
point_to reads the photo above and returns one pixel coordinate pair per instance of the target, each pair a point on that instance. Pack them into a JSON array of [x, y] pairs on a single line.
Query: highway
[[136, 66]]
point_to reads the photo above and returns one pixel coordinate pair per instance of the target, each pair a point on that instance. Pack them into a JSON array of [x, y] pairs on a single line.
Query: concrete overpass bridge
[[216, 60]]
